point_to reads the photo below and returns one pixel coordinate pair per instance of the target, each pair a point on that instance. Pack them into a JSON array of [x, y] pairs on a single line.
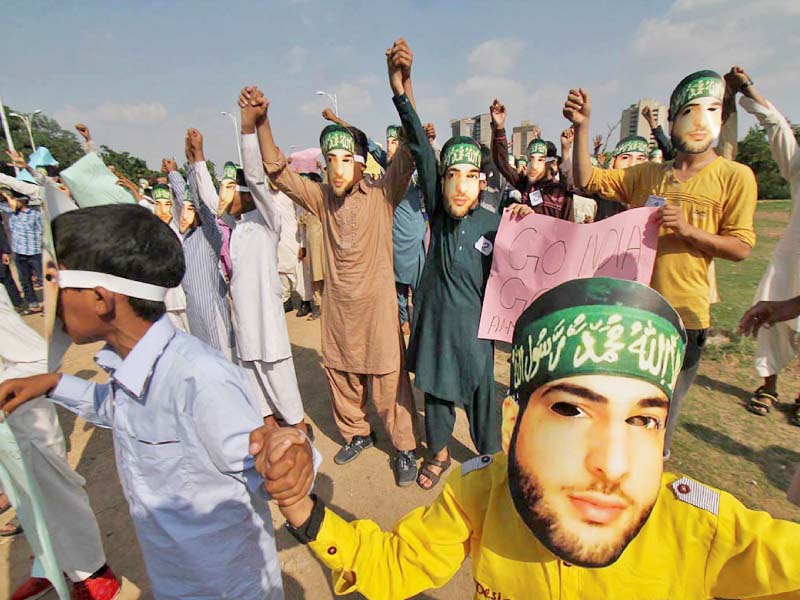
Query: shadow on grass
[[776, 462], [723, 387]]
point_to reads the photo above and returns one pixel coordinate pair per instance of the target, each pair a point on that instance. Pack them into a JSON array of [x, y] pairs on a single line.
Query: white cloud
[[113, 112], [353, 100], [496, 56]]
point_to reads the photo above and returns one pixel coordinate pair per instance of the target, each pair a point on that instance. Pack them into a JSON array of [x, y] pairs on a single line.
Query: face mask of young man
[[341, 170], [391, 147], [163, 210], [628, 159], [462, 187], [188, 216], [537, 167], [588, 500], [697, 125]]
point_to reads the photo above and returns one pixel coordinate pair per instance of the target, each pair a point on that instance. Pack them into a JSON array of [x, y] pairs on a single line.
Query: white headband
[[359, 159], [129, 287], [482, 177], [242, 188]]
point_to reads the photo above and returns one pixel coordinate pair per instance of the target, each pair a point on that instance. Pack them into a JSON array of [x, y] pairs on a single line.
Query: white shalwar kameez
[[778, 344], [262, 339], [72, 524]]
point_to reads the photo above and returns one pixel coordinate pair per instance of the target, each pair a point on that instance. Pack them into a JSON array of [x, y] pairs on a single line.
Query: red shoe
[[104, 587], [35, 587]]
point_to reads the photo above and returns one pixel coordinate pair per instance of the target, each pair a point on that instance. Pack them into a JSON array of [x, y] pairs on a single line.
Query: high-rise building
[[479, 128], [633, 123], [521, 136]]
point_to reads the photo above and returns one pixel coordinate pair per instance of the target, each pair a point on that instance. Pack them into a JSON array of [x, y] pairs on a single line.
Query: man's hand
[[253, 108], [537, 133], [578, 107], [196, 144], [84, 131], [672, 217], [767, 313], [519, 211], [430, 132], [301, 254], [15, 392], [566, 138], [123, 181], [398, 62], [598, 142], [735, 78], [499, 113], [329, 115], [168, 165], [5, 258], [284, 459], [16, 160], [649, 117]]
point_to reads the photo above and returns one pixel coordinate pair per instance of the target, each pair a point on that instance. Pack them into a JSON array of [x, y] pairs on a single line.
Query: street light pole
[[236, 133], [9, 141], [28, 120], [333, 99]]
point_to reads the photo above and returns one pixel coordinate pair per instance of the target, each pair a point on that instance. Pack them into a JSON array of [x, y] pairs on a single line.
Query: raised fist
[[578, 107], [398, 62], [168, 164], [735, 79], [430, 132], [498, 113], [537, 133], [195, 141], [253, 105], [566, 137], [649, 117], [329, 115], [84, 131]]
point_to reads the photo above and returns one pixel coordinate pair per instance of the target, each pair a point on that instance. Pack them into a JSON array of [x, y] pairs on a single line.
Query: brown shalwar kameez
[[361, 337]]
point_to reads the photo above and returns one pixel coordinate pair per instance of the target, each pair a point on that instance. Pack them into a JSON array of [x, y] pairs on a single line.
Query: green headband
[[393, 132], [656, 152], [632, 143], [702, 84], [161, 192], [522, 160], [229, 171], [461, 153], [598, 339], [537, 147], [337, 138], [595, 162]]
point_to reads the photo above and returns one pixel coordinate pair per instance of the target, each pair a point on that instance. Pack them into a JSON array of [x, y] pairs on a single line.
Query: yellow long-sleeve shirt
[[698, 543]]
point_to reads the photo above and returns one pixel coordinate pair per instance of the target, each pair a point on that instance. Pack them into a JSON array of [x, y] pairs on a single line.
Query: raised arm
[[378, 153], [257, 180], [307, 194], [398, 61], [500, 143], [88, 143], [177, 186], [205, 186], [577, 110]]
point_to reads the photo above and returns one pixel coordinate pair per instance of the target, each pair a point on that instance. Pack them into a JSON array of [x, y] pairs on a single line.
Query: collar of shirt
[[133, 373]]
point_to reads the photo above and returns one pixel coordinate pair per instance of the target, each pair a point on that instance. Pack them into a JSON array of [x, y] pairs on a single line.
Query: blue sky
[[139, 73]]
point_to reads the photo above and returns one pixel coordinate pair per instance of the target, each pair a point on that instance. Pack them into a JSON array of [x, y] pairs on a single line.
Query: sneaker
[[35, 587], [101, 587], [305, 309], [404, 465], [288, 306], [352, 449]]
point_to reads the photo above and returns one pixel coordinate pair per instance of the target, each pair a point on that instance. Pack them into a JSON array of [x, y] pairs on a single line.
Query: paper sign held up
[[537, 253]]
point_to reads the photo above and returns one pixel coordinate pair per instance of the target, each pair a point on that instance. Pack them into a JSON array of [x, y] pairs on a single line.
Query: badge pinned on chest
[[535, 198], [484, 246], [657, 201]]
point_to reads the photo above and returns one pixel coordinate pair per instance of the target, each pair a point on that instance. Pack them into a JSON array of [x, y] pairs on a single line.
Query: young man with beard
[[577, 506], [537, 186], [710, 202], [361, 339], [452, 366]]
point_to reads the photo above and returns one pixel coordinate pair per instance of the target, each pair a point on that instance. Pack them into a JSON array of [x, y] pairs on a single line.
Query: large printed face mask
[[392, 140], [341, 168], [461, 176], [697, 125], [188, 216], [234, 195], [163, 203], [628, 159], [594, 364], [537, 160]]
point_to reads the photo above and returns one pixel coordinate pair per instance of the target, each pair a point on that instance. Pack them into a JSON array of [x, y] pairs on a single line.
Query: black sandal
[[761, 402], [433, 477]]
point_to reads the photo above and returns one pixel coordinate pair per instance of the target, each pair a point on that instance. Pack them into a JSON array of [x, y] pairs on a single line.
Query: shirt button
[[684, 489], [332, 550]]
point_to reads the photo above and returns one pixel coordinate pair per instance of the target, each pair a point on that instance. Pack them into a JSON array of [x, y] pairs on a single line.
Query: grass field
[[718, 441]]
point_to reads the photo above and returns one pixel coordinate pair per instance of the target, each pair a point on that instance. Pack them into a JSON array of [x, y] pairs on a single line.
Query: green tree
[[126, 164], [64, 145], [754, 152]]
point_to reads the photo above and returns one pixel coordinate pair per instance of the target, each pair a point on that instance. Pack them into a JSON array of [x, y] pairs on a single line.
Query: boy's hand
[[84, 131], [518, 211], [16, 392], [498, 113], [284, 459], [578, 107]]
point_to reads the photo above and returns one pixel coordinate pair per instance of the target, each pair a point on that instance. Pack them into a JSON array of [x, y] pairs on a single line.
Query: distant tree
[[126, 164], [47, 132], [754, 152]]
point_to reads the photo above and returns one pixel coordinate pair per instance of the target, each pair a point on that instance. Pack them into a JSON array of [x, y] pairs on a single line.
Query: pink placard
[[535, 254], [305, 161]]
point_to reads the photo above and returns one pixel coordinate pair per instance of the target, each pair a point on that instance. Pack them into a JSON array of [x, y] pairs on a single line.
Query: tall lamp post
[[333, 99], [28, 120], [235, 132]]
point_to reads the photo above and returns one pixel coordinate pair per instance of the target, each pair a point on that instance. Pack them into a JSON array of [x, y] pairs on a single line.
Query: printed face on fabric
[[341, 171], [461, 181], [163, 202], [593, 371], [695, 112], [188, 216]]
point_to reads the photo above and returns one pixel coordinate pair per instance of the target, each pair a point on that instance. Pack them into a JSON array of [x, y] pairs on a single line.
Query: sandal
[[762, 402], [794, 414], [433, 477], [4, 503], [11, 528]]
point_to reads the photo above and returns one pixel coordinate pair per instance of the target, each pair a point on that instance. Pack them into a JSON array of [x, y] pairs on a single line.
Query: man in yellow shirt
[[707, 203], [577, 506]]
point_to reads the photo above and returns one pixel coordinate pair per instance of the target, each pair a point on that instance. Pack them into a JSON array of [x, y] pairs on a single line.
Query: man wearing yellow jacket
[[577, 507]]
